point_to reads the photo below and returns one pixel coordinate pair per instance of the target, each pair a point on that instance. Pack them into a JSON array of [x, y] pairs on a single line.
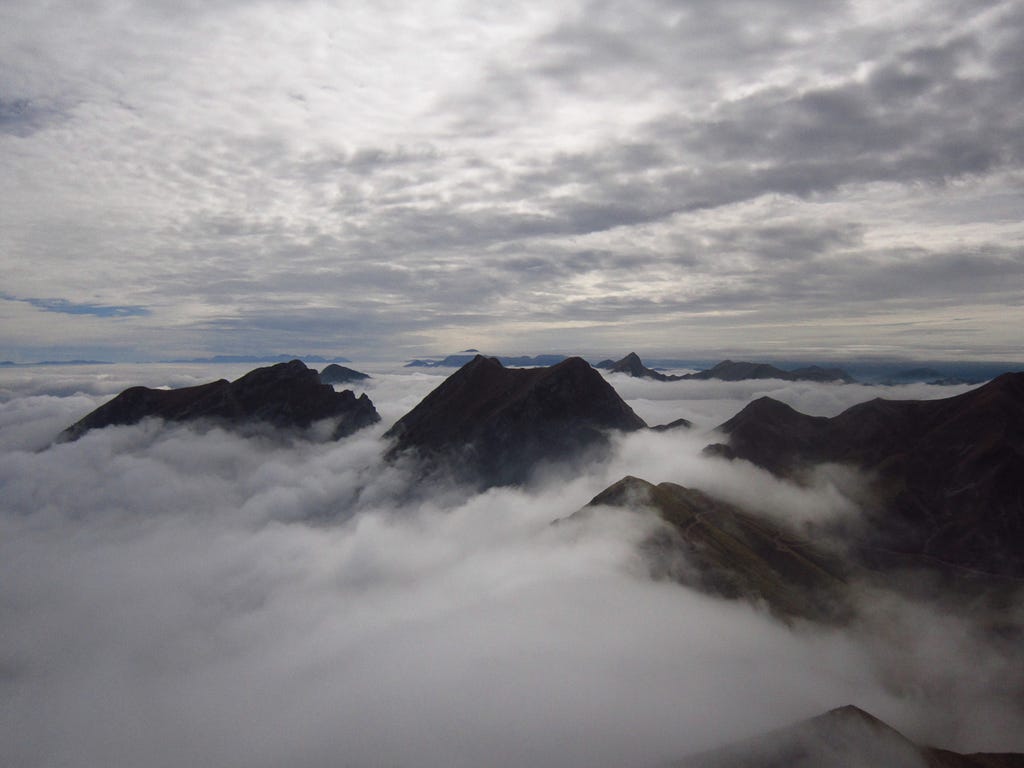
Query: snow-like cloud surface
[[178, 597], [788, 178]]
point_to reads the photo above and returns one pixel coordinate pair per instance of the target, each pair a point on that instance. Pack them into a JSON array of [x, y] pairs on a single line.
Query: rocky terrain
[[725, 551], [286, 396], [946, 474], [845, 737], [491, 425]]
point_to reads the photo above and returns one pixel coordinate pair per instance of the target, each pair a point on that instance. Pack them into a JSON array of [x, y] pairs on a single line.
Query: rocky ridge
[[491, 425], [286, 396]]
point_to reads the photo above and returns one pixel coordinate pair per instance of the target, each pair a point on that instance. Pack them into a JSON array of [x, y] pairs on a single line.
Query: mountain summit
[[492, 425], [286, 395], [948, 475]]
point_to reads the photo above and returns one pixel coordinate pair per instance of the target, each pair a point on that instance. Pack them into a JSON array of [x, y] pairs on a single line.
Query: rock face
[[339, 374], [286, 395], [491, 425], [841, 738], [948, 474], [722, 550]]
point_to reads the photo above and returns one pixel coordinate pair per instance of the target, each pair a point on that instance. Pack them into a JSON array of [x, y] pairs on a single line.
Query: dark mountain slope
[[722, 550], [948, 474], [492, 425], [846, 737], [286, 395]]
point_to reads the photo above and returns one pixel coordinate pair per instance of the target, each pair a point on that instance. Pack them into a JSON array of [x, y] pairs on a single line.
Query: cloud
[[414, 175], [177, 596], [63, 306]]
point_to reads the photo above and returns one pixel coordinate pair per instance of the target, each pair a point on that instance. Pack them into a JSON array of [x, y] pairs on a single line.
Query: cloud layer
[[173, 596], [836, 178]]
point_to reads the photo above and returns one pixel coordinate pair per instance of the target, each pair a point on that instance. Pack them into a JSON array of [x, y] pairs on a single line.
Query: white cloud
[[177, 597]]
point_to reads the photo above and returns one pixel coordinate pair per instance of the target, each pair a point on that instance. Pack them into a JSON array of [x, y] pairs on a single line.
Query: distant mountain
[[677, 424], [948, 475], [841, 738], [631, 365], [459, 360], [286, 395], [491, 425], [727, 370], [339, 374], [720, 549], [260, 359]]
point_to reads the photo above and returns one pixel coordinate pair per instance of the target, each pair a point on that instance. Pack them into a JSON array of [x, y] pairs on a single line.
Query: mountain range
[[285, 396], [727, 370], [947, 475]]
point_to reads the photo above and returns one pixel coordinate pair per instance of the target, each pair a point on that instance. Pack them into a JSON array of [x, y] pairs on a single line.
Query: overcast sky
[[793, 179]]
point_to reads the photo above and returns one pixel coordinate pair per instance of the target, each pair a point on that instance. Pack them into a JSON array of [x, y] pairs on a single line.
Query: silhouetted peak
[[490, 424], [285, 395]]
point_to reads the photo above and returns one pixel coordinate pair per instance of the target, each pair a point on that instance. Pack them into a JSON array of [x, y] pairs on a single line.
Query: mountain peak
[[285, 395], [491, 425]]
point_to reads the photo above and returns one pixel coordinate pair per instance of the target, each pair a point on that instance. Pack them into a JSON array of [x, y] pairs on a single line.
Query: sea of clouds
[[187, 596]]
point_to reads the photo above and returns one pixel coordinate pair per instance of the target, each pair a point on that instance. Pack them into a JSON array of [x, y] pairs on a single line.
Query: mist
[[175, 596]]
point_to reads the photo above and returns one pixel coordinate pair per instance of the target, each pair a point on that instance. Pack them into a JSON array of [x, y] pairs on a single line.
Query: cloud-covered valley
[[173, 596]]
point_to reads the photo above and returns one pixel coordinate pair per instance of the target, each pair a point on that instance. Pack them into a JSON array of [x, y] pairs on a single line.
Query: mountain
[[727, 370], [631, 365], [286, 395], [457, 361], [677, 424], [491, 425], [339, 374], [725, 551], [846, 737], [947, 475], [259, 359]]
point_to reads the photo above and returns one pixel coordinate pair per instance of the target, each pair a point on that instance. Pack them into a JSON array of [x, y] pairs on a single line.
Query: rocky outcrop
[[339, 374], [286, 395], [948, 475], [725, 551], [840, 738], [490, 425]]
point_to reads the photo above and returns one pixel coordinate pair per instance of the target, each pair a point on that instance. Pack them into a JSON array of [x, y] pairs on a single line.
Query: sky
[[191, 596], [813, 180]]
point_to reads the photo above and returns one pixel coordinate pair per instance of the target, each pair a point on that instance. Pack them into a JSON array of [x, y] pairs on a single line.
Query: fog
[[174, 596]]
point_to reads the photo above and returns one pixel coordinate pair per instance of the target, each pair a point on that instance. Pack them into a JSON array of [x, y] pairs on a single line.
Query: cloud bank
[[173, 596]]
